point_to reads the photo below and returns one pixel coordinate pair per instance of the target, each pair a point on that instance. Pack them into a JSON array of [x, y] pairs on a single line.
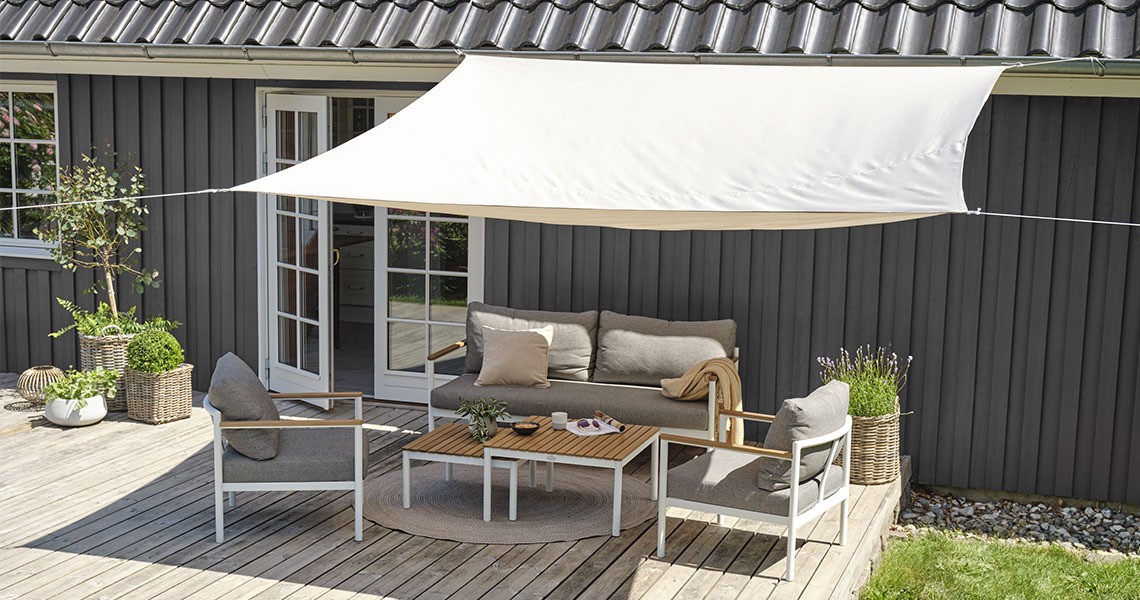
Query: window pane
[[406, 244], [448, 299], [7, 217], [406, 296], [307, 135], [33, 114], [286, 142], [5, 117], [406, 213], [29, 219], [310, 296], [286, 203], [311, 351], [5, 165], [443, 336], [310, 244], [287, 290], [286, 341], [307, 206], [287, 239], [406, 348], [449, 246], [35, 166]]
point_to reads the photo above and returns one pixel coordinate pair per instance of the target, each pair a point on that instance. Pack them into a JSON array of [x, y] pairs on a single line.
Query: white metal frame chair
[[840, 438], [356, 484]]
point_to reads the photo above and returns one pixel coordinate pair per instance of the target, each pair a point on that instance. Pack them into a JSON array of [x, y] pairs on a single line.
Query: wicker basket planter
[[159, 397], [109, 352], [32, 382], [875, 448]]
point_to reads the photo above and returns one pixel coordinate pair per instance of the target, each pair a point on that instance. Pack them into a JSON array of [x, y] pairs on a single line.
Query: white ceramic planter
[[492, 426], [68, 414]]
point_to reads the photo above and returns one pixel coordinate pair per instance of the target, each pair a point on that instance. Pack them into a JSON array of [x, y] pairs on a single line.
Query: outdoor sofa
[[597, 361]]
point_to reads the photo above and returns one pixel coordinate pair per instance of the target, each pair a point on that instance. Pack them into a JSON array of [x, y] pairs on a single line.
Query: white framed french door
[[297, 235]]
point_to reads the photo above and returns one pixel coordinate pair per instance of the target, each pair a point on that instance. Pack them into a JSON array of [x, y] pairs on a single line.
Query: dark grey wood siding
[[1026, 334], [186, 134]]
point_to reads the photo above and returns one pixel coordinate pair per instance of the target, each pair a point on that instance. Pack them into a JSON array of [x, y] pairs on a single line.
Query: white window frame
[[415, 384], [18, 247]]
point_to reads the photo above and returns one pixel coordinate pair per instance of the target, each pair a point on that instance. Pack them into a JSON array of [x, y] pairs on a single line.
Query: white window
[[28, 159]]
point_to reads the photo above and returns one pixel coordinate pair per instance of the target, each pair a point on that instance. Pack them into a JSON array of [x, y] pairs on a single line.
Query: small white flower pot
[[68, 413]]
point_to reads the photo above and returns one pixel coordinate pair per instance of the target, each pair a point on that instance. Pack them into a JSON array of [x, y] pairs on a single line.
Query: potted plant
[[80, 397], [158, 382], [484, 416], [875, 377], [87, 232]]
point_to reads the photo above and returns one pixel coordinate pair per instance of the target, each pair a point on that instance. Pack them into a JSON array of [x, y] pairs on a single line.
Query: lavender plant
[[876, 377]]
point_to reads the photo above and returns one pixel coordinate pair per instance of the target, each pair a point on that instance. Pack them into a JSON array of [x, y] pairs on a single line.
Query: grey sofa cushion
[[304, 454], [628, 404], [727, 478], [643, 351], [571, 354], [238, 394], [821, 412]]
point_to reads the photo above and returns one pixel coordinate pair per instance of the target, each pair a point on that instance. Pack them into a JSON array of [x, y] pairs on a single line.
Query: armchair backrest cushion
[[238, 395], [643, 350], [821, 412], [571, 352]]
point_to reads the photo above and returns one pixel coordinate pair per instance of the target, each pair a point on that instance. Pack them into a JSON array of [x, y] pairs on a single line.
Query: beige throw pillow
[[516, 358]]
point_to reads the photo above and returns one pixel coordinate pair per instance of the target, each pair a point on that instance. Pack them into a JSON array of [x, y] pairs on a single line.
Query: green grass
[[935, 566]]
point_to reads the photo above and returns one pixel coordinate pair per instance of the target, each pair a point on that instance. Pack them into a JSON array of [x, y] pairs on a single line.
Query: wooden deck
[[125, 510]]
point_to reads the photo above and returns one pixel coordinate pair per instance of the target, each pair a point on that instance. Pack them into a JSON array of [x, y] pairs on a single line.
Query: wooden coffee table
[[453, 444], [612, 451]]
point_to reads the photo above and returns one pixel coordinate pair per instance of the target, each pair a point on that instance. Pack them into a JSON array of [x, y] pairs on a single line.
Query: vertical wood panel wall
[[186, 134], [1026, 334]]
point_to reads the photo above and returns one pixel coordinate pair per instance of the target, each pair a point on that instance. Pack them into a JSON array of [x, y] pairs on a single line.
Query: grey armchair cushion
[[238, 394], [571, 352], [643, 350], [629, 404], [727, 478], [821, 412], [304, 454]]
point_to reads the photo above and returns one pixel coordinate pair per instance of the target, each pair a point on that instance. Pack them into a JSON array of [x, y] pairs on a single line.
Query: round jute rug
[[579, 507]]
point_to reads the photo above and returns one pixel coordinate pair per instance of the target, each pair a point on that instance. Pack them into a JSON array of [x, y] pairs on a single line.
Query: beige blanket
[[694, 385]]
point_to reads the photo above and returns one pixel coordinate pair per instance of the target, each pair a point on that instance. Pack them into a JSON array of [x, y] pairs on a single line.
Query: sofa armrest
[[292, 423], [315, 395], [747, 415], [438, 354], [711, 444]]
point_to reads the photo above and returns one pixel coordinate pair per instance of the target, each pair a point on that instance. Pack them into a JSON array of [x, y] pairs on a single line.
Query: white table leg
[[550, 477], [654, 457], [407, 476], [532, 468], [486, 486], [514, 505], [617, 500], [447, 471]]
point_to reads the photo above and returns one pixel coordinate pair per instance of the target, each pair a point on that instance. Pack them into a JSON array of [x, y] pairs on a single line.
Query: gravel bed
[[1080, 528]]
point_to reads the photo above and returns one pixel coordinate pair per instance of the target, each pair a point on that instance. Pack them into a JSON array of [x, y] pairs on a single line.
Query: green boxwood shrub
[[154, 351]]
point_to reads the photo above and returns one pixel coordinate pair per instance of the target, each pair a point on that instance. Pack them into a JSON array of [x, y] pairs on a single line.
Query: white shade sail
[[664, 146]]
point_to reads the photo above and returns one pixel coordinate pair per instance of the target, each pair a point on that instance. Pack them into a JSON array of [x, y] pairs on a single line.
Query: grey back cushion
[[238, 394], [643, 350], [571, 353], [821, 412]]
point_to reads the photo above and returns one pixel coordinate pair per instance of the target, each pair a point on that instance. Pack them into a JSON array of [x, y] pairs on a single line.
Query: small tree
[[98, 235]]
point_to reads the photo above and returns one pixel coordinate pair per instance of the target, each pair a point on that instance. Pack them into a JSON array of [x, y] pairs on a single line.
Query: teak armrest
[[320, 395], [291, 423], [448, 350], [691, 441], [747, 415]]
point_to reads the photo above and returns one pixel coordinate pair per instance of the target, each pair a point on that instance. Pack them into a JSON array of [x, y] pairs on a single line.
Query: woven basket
[[32, 382], [875, 448], [109, 352], [159, 397]]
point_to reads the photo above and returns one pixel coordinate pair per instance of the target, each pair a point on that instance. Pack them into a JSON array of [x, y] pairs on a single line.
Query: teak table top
[[454, 439], [547, 440]]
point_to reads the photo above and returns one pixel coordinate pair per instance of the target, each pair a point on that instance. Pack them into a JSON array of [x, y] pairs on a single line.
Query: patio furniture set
[[593, 362]]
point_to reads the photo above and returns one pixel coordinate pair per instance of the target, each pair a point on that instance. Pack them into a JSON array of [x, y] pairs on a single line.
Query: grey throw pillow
[[238, 394], [821, 412], [643, 350], [571, 353]]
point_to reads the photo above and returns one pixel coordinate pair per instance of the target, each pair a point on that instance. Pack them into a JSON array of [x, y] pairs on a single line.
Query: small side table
[[452, 444]]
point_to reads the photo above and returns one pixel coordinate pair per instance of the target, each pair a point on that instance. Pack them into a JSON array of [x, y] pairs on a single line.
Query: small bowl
[[524, 427]]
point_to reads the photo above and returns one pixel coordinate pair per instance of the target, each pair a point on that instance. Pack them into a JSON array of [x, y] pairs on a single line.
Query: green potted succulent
[[79, 398], [484, 416], [158, 381], [876, 377]]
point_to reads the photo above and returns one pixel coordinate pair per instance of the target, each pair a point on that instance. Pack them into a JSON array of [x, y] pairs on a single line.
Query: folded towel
[[694, 385]]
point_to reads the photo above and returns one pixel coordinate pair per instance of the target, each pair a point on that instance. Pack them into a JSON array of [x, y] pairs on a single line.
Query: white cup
[[558, 420]]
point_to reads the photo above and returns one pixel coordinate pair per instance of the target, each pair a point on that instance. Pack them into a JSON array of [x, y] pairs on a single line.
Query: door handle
[[336, 256]]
